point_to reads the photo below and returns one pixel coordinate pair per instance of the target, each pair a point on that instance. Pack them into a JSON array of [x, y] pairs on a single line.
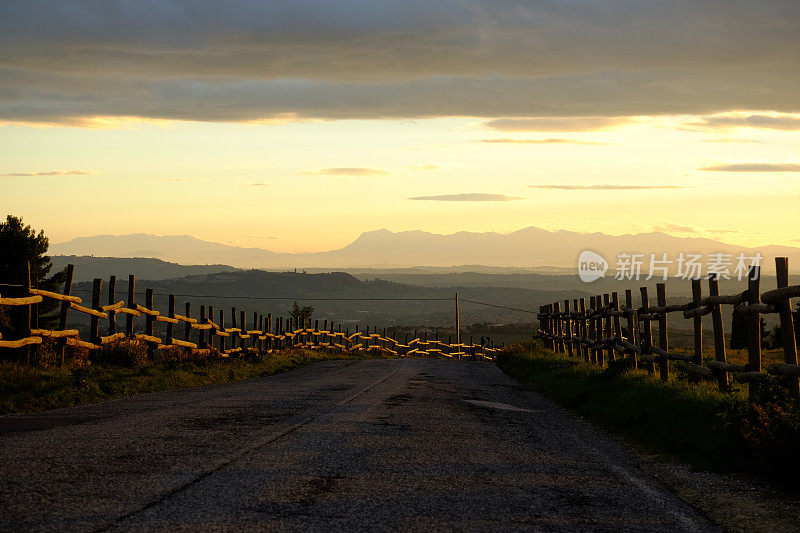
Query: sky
[[296, 126]]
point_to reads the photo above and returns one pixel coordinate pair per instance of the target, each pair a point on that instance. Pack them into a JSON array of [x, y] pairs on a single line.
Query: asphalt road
[[339, 445]]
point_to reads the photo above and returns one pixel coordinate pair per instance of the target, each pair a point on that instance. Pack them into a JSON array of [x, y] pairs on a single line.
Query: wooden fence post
[[62, 317], [233, 325], [598, 301], [616, 323], [187, 331], [697, 295], [584, 331], [201, 333], [112, 296], [647, 330], [243, 325], [592, 329], [754, 328], [787, 326], [170, 314], [131, 304], [94, 322], [148, 322], [33, 316], [607, 326], [559, 347], [268, 327], [633, 327], [222, 329], [567, 329], [663, 340], [254, 338], [719, 332]]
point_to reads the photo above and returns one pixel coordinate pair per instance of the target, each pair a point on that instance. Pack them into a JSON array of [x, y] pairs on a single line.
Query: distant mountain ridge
[[529, 247]]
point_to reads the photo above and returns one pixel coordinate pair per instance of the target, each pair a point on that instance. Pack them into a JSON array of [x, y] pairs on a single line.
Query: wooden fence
[[596, 332], [201, 336]]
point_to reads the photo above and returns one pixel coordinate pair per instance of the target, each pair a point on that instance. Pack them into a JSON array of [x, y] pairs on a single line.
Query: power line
[[315, 299], [501, 307]]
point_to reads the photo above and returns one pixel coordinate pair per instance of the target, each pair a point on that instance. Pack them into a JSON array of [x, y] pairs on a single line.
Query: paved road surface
[[338, 445]]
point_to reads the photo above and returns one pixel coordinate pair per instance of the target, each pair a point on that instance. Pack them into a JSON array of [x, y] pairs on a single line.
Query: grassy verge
[[25, 389], [692, 423]]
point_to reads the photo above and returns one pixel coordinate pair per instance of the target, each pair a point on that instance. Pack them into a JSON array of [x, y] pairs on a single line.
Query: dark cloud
[[49, 173], [540, 141], [604, 187], [779, 122], [351, 171], [469, 197], [190, 60], [755, 167]]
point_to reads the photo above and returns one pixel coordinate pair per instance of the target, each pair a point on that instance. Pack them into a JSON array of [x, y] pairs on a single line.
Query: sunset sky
[[295, 126]]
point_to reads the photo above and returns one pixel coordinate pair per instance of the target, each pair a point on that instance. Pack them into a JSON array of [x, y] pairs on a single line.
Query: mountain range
[[530, 247]]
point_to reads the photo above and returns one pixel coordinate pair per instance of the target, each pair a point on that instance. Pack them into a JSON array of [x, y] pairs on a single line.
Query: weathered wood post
[[458, 328], [559, 346], [148, 323], [268, 327], [633, 327], [112, 296], [697, 358], [568, 328], [647, 330], [719, 332], [201, 333], [234, 343], [787, 326], [170, 314], [131, 304], [187, 327], [592, 325], [584, 330], [243, 326], [607, 327], [598, 301], [222, 329], [754, 328], [616, 323], [261, 334], [94, 321], [62, 317], [663, 340]]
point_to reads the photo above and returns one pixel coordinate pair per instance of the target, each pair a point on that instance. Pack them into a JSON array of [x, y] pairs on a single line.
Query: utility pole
[[458, 329]]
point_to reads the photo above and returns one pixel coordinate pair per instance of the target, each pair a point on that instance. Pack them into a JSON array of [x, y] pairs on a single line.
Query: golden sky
[[295, 127]]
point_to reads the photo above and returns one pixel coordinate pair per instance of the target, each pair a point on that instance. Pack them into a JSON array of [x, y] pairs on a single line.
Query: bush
[[770, 431], [128, 353]]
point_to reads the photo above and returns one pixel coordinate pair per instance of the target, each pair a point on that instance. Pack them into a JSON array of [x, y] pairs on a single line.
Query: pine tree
[[20, 245]]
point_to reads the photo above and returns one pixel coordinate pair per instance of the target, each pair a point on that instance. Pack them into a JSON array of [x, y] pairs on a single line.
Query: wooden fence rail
[[201, 335], [595, 333]]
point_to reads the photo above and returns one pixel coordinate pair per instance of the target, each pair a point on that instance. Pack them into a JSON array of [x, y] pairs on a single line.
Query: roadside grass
[[692, 423], [25, 389]]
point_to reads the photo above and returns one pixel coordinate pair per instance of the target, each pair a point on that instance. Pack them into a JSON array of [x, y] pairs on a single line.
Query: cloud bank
[[606, 187], [469, 197], [351, 171], [49, 173], [754, 167], [190, 60]]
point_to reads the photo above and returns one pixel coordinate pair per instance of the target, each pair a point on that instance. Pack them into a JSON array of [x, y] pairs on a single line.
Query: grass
[[693, 423], [25, 389]]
